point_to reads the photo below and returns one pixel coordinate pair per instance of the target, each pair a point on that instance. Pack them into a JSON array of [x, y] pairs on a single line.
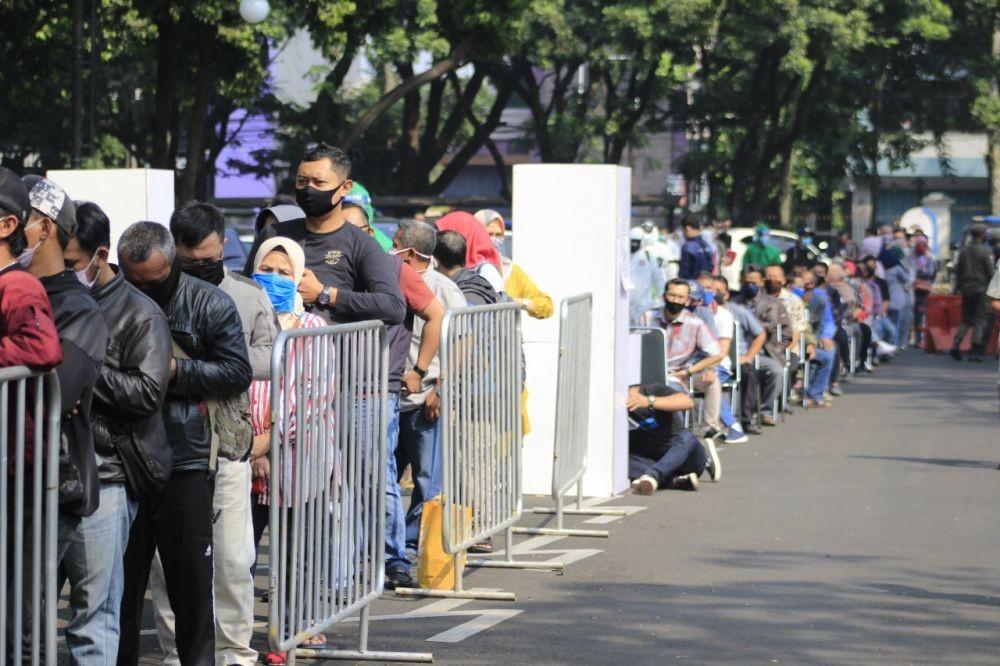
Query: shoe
[[735, 436], [955, 353], [484, 547], [885, 349], [644, 485], [768, 420], [398, 578], [275, 658], [752, 429], [712, 432], [836, 391], [816, 404], [684, 482], [714, 462], [976, 354]]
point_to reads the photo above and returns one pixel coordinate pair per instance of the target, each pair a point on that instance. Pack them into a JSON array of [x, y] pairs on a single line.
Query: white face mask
[[25, 257], [82, 274]]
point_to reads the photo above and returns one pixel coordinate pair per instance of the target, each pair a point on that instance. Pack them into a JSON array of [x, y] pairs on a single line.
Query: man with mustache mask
[[348, 278]]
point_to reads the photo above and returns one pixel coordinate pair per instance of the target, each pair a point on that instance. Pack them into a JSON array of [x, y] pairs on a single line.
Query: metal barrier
[[30, 408], [572, 414], [329, 412], [481, 384]]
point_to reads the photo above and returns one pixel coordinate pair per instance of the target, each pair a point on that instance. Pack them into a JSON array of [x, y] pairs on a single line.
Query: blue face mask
[[750, 291], [280, 289], [799, 291], [708, 297], [807, 240]]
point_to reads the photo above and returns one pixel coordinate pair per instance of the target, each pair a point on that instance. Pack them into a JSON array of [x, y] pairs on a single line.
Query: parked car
[[741, 237]]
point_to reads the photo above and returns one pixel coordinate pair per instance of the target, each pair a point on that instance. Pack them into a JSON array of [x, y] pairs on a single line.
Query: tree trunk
[[196, 135], [994, 156], [785, 191], [162, 117]]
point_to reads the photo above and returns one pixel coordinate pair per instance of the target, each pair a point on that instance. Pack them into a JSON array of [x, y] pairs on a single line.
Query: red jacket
[[28, 333]]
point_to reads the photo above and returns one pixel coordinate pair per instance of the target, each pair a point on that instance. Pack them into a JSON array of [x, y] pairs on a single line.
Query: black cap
[[13, 195], [51, 201]]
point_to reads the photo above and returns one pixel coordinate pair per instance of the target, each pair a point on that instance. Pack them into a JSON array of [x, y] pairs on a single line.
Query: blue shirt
[[750, 326], [696, 258]]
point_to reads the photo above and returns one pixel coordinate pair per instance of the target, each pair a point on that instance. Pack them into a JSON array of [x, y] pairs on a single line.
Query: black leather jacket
[[204, 323], [129, 394]]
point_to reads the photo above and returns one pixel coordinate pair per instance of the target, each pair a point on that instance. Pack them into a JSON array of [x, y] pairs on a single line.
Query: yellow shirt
[[520, 287]]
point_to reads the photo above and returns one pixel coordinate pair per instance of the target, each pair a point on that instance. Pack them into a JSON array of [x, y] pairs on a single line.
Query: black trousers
[[974, 317], [749, 393], [178, 522]]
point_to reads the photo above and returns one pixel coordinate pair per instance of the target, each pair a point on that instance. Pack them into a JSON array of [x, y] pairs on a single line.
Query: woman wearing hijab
[[480, 255], [517, 284], [924, 272], [897, 278]]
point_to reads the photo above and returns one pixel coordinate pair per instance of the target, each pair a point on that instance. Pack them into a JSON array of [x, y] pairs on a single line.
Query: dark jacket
[[129, 437], [696, 258], [770, 311], [477, 289], [84, 339], [975, 269], [205, 324]]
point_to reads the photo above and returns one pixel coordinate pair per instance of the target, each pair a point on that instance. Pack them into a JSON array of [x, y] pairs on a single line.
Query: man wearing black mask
[[198, 231], [212, 363], [761, 297], [348, 277]]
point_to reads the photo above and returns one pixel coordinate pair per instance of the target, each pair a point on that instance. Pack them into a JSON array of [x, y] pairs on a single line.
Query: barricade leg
[[363, 653], [510, 563], [458, 591]]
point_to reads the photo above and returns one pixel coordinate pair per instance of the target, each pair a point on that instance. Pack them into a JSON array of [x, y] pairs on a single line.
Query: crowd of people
[[803, 324], [163, 361]]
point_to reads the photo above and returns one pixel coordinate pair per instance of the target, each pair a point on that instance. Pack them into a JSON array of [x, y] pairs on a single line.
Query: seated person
[[760, 296], [692, 350], [662, 452], [819, 343]]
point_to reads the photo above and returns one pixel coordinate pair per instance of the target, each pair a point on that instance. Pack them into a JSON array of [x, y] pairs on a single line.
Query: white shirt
[[724, 329]]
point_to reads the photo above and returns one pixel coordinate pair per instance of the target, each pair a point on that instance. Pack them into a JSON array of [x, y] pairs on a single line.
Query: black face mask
[[211, 272], [772, 286], [316, 203], [162, 291], [673, 308]]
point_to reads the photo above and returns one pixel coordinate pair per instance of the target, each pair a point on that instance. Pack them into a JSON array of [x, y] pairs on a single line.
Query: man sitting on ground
[[662, 452]]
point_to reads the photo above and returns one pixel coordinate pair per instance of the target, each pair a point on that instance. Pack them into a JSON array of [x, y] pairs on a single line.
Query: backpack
[[229, 420]]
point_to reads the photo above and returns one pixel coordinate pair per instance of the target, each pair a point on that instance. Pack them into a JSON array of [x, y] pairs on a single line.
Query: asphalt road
[[864, 533]]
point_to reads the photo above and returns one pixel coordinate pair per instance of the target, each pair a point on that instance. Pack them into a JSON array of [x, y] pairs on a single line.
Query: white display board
[[125, 195], [571, 224]]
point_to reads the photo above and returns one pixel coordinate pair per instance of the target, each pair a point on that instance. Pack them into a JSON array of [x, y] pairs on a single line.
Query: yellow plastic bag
[[436, 568]]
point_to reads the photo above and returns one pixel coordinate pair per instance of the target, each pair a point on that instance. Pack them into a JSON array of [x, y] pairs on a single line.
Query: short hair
[[17, 242], [282, 200], [141, 239], [705, 274], [339, 160], [777, 266], [977, 231], [678, 282], [449, 249], [692, 221], [418, 235], [820, 263], [93, 229], [195, 222], [753, 268], [722, 279]]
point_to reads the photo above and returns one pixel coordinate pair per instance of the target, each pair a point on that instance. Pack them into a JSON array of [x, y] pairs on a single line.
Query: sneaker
[[684, 482], [885, 349], [714, 462], [836, 391], [735, 436], [955, 353], [644, 485], [768, 420], [712, 432], [751, 429], [398, 578]]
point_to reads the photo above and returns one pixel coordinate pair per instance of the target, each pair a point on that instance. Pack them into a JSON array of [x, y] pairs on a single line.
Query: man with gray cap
[[973, 273], [83, 335]]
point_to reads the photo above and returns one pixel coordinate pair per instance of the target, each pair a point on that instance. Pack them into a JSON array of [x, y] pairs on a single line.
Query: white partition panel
[[126, 195], [571, 224]]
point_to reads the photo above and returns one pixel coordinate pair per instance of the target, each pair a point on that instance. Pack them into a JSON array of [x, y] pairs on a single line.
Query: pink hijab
[[478, 246]]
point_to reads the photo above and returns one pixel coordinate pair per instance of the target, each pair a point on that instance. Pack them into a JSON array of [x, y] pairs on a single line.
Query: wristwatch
[[324, 297], [420, 371], [651, 399]]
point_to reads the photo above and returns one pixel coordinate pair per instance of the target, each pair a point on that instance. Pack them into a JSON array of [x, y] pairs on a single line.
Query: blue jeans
[[683, 454], [395, 524], [420, 447], [819, 373], [94, 565], [725, 413]]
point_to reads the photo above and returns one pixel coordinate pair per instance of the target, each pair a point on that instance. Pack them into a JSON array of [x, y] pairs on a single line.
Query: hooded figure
[[760, 252]]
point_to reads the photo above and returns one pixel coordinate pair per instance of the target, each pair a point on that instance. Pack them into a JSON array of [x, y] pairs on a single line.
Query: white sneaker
[[644, 485], [885, 349], [714, 463]]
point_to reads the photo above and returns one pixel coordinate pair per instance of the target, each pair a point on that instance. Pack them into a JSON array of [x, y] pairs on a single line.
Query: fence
[[29, 498], [572, 413], [329, 411], [481, 382]]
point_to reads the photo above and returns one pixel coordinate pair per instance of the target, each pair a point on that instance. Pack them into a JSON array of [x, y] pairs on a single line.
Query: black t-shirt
[[351, 261], [656, 427]]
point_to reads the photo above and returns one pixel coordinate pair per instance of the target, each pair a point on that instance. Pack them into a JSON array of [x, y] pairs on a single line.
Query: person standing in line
[[973, 274], [206, 328], [696, 255], [133, 456], [450, 252], [198, 231], [516, 282]]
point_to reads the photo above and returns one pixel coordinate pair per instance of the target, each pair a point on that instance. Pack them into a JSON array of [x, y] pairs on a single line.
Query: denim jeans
[[683, 454], [819, 374], [725, 413], [395, 522], [94, 565], [419, 447]]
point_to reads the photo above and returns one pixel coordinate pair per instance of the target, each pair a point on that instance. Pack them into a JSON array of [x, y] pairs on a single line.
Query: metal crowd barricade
[[569, 451], [481, 384], [329, 413], [30, 407]]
